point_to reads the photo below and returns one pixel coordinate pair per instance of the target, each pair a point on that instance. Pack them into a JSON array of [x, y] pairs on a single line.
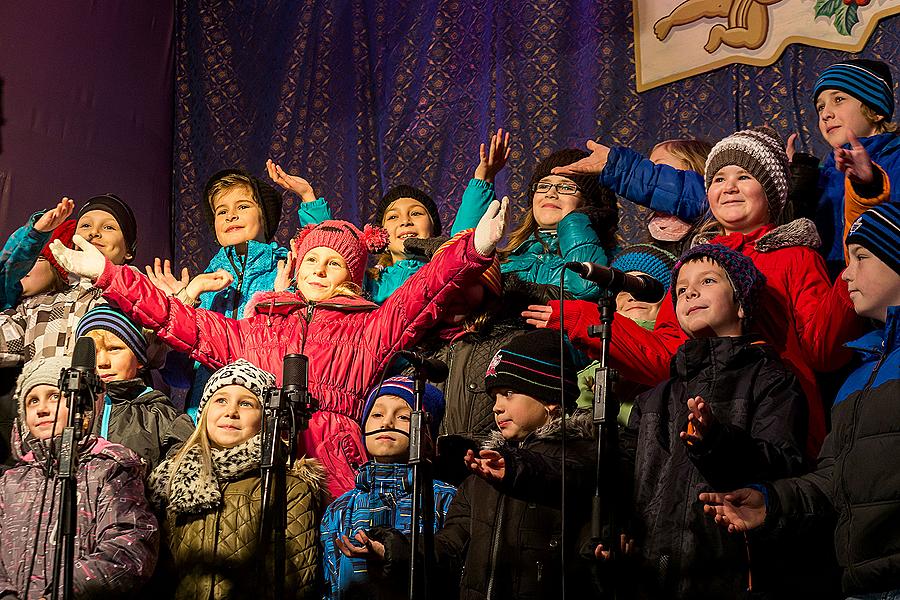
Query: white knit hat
[[240, 372]]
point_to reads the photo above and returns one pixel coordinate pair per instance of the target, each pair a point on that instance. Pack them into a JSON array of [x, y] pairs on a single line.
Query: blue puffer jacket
[[383, 497], [659, 187], [884, 149], [17, 258], [574, 240]]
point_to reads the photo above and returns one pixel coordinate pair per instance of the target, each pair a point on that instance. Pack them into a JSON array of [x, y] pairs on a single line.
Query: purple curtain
[[358, 96]]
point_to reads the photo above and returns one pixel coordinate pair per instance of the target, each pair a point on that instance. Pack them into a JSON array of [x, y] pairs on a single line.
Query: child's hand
[[491, 227], [161, 276], [370, 548], [740, 510], [791, 146], [626, 548], [207, 282], [54, 217], [855, 163], [589, 165], [285, 272], [87, 261], [489, 464], [293, 183], [494, 158], [700, 421], [537, 315]]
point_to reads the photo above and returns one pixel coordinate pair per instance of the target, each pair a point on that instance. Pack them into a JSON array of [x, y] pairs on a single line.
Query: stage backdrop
[[358, 96]]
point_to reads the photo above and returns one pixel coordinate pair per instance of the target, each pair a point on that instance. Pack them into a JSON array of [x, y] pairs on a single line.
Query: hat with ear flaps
[[267, 197]]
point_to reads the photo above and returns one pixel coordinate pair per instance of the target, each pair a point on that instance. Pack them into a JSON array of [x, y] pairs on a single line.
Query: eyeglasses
[[566, 189]]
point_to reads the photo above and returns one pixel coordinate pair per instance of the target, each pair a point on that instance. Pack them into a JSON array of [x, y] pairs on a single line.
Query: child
[[210, 492], [117, 535], [41, 326], [349, 341], [407, 212], [383, 496], [741, 416], [134, 415], [503, 528], [802, 316], [570, 219], [856, 478]]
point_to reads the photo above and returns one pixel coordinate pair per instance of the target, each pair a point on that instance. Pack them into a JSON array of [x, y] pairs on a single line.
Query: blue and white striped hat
[[878, 231], [869, 81], [111, 319]]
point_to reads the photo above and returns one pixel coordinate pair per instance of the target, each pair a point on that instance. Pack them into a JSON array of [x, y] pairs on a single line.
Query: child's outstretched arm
[[480, 191], [312, 210]]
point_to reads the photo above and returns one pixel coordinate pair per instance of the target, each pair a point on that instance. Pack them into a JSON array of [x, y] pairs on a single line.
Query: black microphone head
[[438, 370], [651, 291], [294, 371], [580, 268], [85, 355]]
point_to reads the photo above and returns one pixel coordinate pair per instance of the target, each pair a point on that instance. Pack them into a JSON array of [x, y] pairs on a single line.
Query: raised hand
[[370, 549], [284, 273], [293, 183], [855, 163], [741, 510], [791, 146], [589, 165], [700, 421], [493, 158], [87, 261], [489, 464], [537, 315], [161, 276], [491, 227], [207, 282], [54, 217]]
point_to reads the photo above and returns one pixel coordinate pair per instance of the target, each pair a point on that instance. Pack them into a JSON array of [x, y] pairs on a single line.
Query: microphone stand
[[605, 412], [422, 495], [285, 409]]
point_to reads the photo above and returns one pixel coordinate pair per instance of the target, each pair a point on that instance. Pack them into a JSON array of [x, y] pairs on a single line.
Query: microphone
[[80, 381], [434, 370], [294, 378], [642, 287]]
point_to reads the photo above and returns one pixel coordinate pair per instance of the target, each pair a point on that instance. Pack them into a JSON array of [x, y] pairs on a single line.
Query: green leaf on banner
[[845, 18], [826, 8]]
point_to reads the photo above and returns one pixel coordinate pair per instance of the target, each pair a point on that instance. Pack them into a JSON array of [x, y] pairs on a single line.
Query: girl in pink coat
[[349, 340]]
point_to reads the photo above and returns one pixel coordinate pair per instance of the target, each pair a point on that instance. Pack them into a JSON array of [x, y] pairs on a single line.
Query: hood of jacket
[[579, 426]]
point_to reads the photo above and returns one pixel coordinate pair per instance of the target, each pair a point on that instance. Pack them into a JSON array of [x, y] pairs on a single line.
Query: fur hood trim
[[311, 472], [579, 426], [801, 232]]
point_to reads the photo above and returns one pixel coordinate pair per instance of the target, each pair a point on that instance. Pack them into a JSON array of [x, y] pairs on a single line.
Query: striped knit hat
[[529, 364], [344, 238], [869, 81], [878, 231], [241, 372], [761, 153], [646, 258], [111, 319], [404, 387]]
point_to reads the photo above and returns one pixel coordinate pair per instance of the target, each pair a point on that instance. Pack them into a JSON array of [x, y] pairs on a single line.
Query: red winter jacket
[[349, 341], [805, 318]]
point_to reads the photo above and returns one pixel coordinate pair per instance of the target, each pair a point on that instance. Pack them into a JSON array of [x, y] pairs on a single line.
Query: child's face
[[873, 285], [517, 414], [233, 416], [634, 309], [389, 417], [39, 279], [115, 360], [660, 155], [320, 273], [406, 218], [238, 218], [41, 405], [737, 200], [102, 230], [549, 207], [705, 304], [839, 112]]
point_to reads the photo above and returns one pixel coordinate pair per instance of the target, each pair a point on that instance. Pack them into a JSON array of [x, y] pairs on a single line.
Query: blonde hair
[[524, 230], [198, 439], [692, 153], [882, 126], [225, 183]]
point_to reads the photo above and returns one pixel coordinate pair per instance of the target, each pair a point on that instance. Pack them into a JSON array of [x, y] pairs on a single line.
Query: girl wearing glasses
[[571, 219]]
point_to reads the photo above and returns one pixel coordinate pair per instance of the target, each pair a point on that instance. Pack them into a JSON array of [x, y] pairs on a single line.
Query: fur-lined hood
[[800, 232], [579, 426]]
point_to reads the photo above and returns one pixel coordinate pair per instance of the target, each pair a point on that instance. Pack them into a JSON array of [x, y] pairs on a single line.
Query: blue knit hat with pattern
[[743, 275], [869, 81], [878, 231], [404, 387], [646, 258], [111, 319]]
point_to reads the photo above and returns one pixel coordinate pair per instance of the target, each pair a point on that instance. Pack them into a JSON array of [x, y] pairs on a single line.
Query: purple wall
[[87, 109]]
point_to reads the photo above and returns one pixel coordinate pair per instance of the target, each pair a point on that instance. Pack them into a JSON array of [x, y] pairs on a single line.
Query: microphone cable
[[562, 400]]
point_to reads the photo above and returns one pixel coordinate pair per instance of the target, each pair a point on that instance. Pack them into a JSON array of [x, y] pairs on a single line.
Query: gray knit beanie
[[240, 372]]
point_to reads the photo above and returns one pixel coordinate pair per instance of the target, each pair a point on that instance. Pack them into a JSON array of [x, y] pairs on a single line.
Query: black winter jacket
[[761, 414]]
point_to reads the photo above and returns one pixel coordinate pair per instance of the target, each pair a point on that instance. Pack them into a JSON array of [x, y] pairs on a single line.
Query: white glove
[[89, 262], [491, 227]]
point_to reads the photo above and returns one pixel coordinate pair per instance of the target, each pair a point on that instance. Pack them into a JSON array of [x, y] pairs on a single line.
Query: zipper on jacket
[[239, 270], [495, 546], [310, 309]]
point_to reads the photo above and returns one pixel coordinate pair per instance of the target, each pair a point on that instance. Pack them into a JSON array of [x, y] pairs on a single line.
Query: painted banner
[[675, 39]]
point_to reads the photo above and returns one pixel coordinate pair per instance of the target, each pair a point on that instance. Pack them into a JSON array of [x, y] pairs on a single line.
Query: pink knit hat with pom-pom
[[345, 239]]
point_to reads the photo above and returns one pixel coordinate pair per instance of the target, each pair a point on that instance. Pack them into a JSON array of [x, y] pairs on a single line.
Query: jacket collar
[[288, 302], [264, 253], [384, 477], [800, 232], [129, 390], [881, 341], [579, 426], [533, 244], [697, 355]]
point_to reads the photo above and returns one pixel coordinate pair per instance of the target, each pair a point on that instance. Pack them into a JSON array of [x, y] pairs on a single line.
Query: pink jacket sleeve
[[209, 337]]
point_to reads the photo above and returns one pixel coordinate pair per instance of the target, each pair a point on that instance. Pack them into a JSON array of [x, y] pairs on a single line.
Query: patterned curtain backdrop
[[358, 96]]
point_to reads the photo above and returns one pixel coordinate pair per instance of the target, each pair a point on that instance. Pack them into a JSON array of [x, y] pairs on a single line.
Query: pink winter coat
[[349, 341]]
